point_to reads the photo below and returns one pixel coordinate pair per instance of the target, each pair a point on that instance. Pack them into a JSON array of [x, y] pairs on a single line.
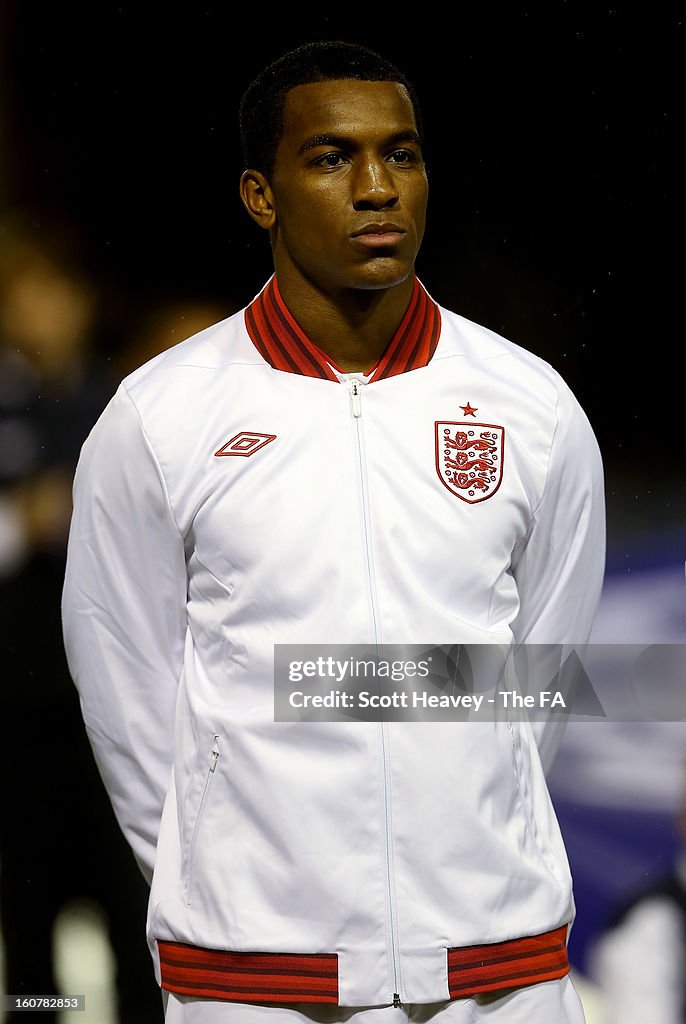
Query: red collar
[[285, 346]]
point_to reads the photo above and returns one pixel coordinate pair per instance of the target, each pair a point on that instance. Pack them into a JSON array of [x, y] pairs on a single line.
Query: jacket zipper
[[355, 389], [214, 757]]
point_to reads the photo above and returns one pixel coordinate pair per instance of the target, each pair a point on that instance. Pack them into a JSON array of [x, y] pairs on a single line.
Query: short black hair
[[261, 108]]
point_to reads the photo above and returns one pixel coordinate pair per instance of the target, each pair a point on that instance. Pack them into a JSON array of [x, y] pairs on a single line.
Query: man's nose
[[374, 186]]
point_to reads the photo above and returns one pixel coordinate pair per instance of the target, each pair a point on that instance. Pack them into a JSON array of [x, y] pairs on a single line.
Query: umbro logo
[[246, 443]]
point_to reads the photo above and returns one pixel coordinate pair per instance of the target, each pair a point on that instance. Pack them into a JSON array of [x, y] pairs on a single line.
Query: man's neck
[[354, 326]]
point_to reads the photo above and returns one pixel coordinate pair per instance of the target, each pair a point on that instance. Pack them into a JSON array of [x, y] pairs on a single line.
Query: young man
[[341, 462]]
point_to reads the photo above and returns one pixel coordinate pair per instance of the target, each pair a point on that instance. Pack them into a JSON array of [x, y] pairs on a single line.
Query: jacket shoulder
[[186, 377], [213, 348], [463, 337]]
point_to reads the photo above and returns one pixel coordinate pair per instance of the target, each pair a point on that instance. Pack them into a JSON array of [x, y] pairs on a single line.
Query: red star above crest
[[469, 410]]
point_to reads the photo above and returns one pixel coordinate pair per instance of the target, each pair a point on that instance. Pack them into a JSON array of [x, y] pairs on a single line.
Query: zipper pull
[[355, 392], [214, 756], [396, 999]]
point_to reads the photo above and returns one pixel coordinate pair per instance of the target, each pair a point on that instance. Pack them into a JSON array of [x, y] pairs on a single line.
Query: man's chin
[[381, 273]]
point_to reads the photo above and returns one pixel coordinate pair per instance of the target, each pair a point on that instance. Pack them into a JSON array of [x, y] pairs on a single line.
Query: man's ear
[[258, 198]]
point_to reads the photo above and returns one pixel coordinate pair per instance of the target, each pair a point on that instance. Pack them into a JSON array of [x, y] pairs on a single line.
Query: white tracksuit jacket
[[239, 492]]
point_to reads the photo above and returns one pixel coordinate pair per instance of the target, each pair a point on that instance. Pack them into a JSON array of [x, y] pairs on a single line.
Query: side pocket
[[522, 769], [214, 757]]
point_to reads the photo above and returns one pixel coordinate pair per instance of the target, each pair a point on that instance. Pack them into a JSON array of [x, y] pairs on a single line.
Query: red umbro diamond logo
[[246, 443]]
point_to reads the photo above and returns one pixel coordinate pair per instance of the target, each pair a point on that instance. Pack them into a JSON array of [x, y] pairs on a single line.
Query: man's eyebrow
[[404, 136], [344, 141], [322, 140]]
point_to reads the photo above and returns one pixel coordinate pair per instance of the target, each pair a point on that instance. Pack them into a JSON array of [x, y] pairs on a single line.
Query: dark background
[[554, 135], [554, 139]]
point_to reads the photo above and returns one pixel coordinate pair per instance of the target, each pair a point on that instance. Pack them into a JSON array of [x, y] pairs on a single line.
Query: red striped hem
[[516, 962], [284, 345], [248, 977], [313, 977]]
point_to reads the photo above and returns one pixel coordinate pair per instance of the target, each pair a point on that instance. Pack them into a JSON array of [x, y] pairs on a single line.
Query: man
[[342, 462]]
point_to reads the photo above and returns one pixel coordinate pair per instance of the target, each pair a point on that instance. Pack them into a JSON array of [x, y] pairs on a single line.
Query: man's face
[[349, 185]]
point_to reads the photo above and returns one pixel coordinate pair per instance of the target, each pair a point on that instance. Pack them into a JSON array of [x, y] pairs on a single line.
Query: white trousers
[[550, 1002]]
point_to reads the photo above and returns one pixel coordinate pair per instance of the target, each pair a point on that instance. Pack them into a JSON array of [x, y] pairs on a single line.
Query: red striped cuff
[[249, 977], [473, 969]]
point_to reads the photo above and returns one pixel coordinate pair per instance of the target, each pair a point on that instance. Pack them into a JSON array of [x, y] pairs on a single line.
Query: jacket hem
[[233, 976], [248, 977], [516, 962]]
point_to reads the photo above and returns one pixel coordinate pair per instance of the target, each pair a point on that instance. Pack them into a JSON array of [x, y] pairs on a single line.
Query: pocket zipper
[[214, 757]]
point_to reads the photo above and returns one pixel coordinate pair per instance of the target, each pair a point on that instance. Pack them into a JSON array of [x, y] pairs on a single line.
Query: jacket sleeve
[[124, 618], [560, 565]]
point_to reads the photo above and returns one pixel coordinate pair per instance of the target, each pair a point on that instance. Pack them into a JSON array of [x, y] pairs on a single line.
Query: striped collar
[[285, 346]]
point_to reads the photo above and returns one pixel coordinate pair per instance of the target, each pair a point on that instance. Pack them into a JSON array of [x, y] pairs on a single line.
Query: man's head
[[262, 105], [332, 141]]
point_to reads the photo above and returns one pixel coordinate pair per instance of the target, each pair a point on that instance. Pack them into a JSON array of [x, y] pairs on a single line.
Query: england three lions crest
[[469, 459]]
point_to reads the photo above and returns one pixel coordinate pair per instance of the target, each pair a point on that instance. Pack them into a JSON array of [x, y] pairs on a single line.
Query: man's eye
[[402, 156], [330, 160]]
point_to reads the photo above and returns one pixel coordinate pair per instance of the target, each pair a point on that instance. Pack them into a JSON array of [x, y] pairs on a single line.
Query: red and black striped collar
[[285, 346]]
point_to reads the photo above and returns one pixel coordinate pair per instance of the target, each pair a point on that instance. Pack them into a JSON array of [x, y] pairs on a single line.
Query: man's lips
[[378, 235]]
